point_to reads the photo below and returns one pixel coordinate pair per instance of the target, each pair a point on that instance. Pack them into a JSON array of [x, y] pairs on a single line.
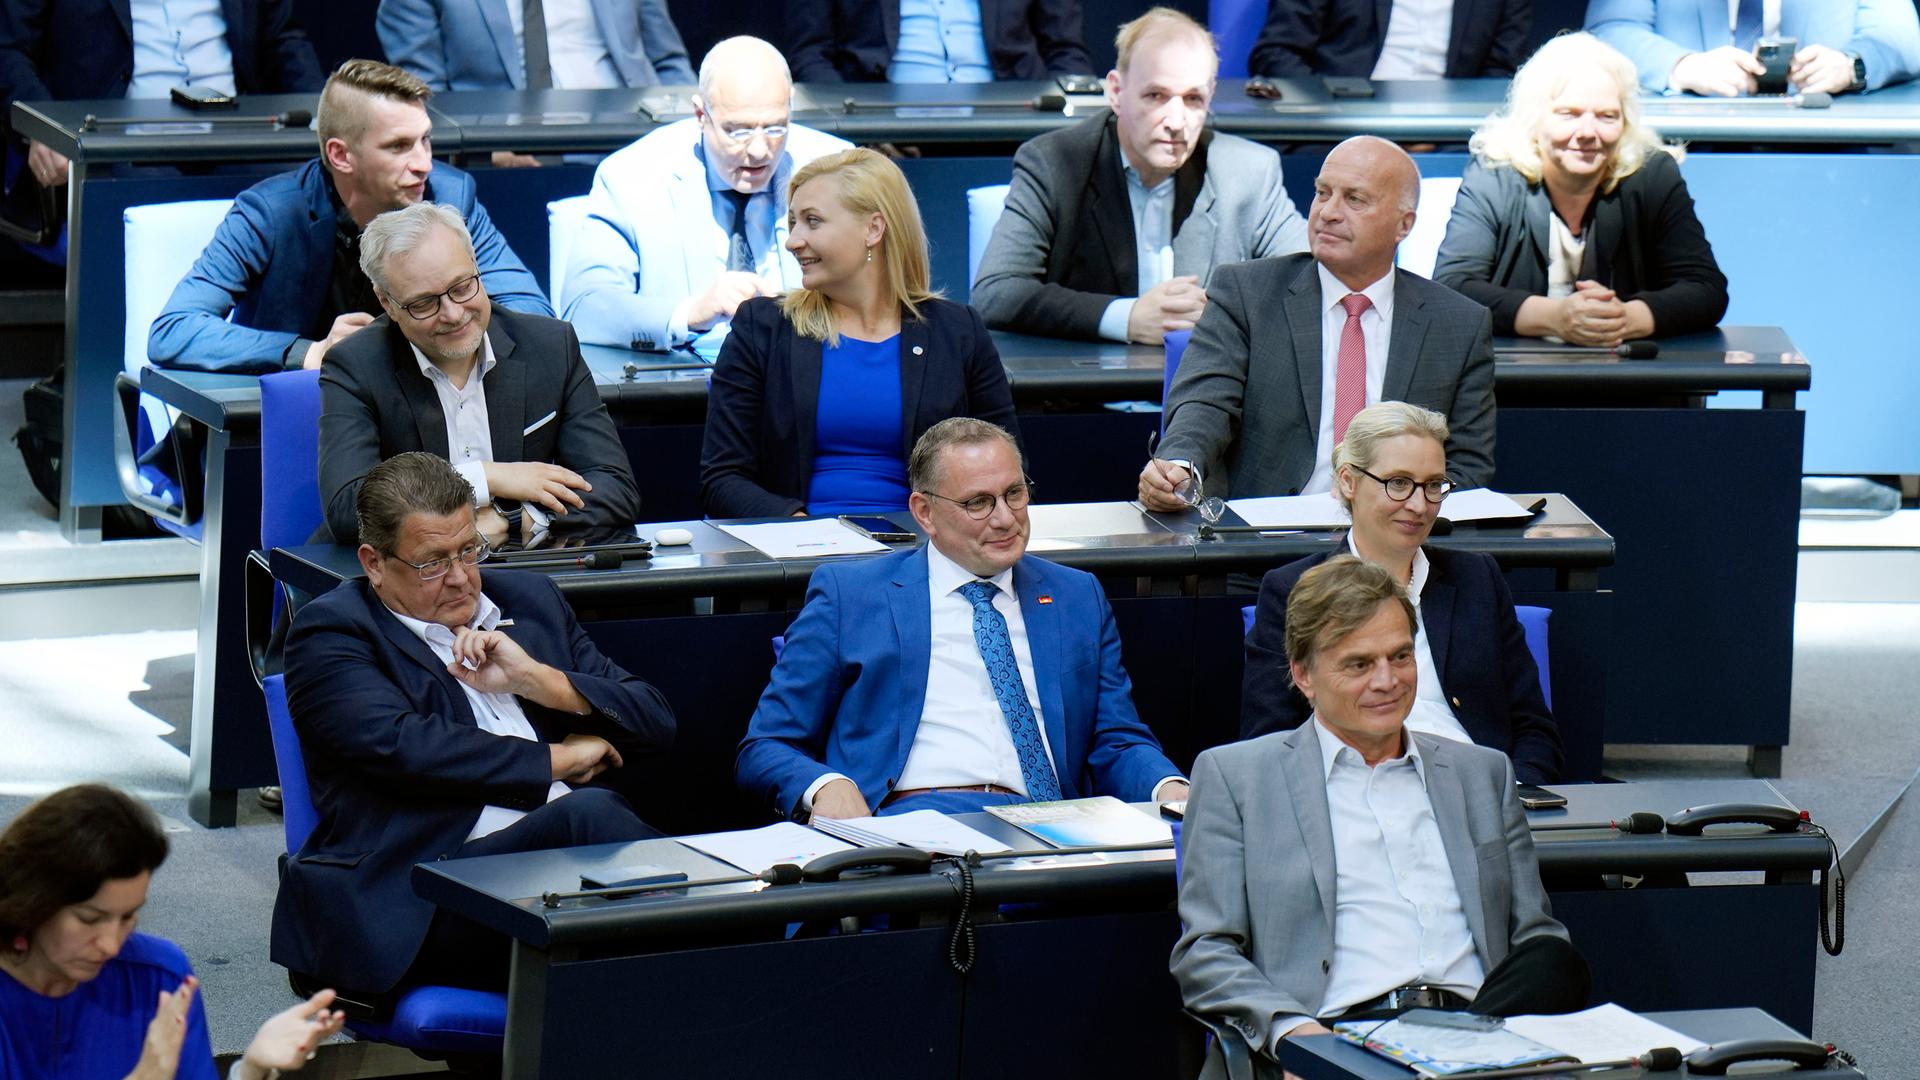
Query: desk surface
[[1601, 850]]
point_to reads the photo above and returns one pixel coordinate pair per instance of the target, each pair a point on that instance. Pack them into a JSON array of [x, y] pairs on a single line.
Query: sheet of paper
[[753, 850], [1322, 511], [1602, 1033], [930, 830], [1480, 504], [1087, 519], [803, 539]]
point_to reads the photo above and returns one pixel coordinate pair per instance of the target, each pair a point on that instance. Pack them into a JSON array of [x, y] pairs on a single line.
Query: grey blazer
[[1245, 405], [1257, 825], [1065, 248]]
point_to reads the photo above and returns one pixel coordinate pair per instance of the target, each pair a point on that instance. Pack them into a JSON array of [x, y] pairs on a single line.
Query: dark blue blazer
[[848, 691], [854, 40], [269, 264], [1344, 37], [1478, 646], [765, 396], [67, 50], [400, 770]]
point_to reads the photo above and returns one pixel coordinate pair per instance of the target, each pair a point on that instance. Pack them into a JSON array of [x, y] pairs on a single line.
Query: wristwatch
[[512, 512], [1859, 72]]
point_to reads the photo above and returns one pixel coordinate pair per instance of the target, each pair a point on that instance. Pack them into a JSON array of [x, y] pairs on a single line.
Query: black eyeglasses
[[435, 569], [980, 507], [1400, 488], [426, 307]]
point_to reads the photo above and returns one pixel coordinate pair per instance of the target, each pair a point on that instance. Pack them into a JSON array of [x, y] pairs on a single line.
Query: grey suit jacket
[[470, 44], [1257, 825], [1065, 248], [1245, 405]]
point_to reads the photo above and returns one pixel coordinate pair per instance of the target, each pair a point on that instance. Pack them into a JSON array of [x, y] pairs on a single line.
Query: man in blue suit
[[441, 722], [959, 675], [1706, 46], [285, 262], [582, 44]]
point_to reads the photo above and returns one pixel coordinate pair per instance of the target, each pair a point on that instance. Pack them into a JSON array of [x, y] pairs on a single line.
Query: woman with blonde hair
[[1572, 221], [818, 395]]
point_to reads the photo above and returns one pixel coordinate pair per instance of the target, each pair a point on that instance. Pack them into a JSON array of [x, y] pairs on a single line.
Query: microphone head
[[1642, 821], [1049, 102], [1638, 350], [782, 874], [296, 118], [602, 560], [1660, 1059]]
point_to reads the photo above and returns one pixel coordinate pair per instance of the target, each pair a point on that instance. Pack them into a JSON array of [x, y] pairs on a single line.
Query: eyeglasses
[[773, 132], [980, 507], [435, 569], [1400, 488], [426, 307]]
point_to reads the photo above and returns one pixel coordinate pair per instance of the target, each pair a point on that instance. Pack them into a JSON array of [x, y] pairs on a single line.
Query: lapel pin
[[917, 350], [1043, 599]]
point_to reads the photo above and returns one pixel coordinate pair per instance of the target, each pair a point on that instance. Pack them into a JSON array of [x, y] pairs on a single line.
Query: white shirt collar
[[944, 575], [1333, 750], [486, 616], [1332, 291], [1421, 567], [428, 368]]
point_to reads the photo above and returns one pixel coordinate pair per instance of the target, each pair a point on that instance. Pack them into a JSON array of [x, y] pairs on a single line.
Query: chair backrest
[[1533, 620], [1176, 346], [564, 220], [1236, 26], [290, 507], [1421, 248], [984, 205], [296, 801], [163, 240]]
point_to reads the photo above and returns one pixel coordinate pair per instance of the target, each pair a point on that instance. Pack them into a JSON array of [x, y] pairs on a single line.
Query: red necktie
[[1350, 377]]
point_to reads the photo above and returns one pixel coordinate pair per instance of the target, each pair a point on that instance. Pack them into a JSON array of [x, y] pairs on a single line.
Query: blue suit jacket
[[1344, 37], [400, 770], [1478, 645], [470, 45], [1655, 34], [848, 691], [269, 264], [765, 396], [854, 40]]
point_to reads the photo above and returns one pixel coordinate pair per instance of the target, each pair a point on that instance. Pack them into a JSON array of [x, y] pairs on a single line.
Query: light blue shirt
[[941, 41], [179, 43], [1152, 235]]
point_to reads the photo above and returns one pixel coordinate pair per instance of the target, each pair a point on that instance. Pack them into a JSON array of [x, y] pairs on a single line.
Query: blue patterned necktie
[[996, 648], [1749, 21]]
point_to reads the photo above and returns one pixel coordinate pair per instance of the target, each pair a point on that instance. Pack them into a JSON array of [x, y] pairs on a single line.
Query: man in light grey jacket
[[1350, 869], [1113, 227]]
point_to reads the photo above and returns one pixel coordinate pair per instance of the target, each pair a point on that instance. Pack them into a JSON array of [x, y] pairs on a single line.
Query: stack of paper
[[928, 830], [753, 850], [1103, 821], [805, 538]]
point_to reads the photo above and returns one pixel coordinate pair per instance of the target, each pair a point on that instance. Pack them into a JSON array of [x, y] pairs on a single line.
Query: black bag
[[41, 439]]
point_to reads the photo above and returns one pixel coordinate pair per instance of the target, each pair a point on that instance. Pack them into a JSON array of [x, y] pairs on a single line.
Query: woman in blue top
[[83, 997], [818, 395]]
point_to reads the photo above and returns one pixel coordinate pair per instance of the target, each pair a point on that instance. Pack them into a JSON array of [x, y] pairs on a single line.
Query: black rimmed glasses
[[435, 569], [980, 507], [426, 307], [1400, 488]]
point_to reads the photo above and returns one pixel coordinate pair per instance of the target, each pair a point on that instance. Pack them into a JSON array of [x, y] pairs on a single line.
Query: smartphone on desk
[[200, 99], [877, 528], [1535, 797]]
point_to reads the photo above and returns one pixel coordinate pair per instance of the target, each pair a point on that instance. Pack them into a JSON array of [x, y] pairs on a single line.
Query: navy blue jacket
[[765, 396], [1478, 645], [400, 770], [1344, 37], [854, 40]]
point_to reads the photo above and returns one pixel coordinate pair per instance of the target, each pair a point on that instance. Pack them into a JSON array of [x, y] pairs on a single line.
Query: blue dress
[[96, 1032], [858, 431]]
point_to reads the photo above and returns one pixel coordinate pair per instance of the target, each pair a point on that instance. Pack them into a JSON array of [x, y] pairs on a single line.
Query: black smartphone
[[1259, 86], [1348, 86], [878, 528], [1081, 84], [1535, 797], [1776, 53], [630, 877], [199, 98]]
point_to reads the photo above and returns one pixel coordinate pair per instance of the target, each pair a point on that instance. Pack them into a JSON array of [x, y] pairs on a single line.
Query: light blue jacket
[[1655, 34], [469, 44]]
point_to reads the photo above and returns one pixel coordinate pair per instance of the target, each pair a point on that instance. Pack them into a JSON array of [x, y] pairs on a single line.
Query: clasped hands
[[493, 663]]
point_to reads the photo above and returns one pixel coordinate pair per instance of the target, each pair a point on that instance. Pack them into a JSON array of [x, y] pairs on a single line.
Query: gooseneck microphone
[[1638, 822], [592, 560], [1659, 1059], [292, 118], [1626, 350]]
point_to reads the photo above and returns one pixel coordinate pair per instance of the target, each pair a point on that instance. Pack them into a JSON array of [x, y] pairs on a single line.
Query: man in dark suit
[[1351, 868], [1289, 349], [987, 677], [1113, 227], [280, 283], [506, 397], [923, 41], [440, 721], [1393, 39]]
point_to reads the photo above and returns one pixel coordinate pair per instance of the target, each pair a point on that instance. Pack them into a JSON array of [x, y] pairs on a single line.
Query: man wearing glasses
[[438, 722], [506, 397], [692, 219], [958, 675]]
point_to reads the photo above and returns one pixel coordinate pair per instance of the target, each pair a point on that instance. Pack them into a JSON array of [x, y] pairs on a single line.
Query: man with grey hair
[[505, 396], [280, 283], [988, 677], [1289, 349], [692, 219]]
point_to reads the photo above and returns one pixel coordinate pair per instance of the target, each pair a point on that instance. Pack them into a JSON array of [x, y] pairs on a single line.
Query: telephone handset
[[1713, 1060], [1694, 819], [903, 860]]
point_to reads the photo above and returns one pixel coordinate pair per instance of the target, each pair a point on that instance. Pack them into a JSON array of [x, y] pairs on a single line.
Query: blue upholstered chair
[[290, 509], [427, 1019], [1176, 346], [984, 206], [1236, 26]]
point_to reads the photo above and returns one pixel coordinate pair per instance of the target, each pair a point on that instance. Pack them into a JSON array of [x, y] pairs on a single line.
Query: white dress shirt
[[576, 49], [469, 438], [1152, 245], [1431, 712], [1376, 324], [497, 714], [1415, 46]]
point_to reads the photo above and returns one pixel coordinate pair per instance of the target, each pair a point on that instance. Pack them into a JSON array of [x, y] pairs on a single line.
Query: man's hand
[[1158, 482], [287, 1040], [839, 799], [727, 292], [1819, 69], [48, 167], [579, 758], [343, 327], [492, 525], [551, 486], [1722, 72], [1173, 791], [1593, 315], [507, 159], [160, 1053], [1174, 304]]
